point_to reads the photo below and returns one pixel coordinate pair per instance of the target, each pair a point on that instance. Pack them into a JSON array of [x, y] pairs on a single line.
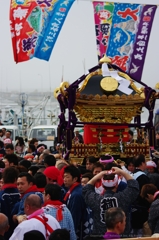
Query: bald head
[[32, 202], [4, 224]]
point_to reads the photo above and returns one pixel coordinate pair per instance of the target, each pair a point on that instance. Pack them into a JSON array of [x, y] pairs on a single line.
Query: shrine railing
[[84, 150]]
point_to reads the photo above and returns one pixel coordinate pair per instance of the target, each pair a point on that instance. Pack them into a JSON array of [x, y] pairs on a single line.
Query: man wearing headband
[[99, 204]]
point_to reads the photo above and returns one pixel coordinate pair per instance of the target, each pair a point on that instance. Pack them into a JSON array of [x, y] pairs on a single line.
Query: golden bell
[[104, 59]]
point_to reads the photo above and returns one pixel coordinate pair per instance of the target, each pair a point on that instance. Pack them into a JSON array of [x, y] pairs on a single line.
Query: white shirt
[[34, 224]]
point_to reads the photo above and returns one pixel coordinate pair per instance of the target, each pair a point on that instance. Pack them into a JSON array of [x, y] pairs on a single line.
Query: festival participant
[[152, 173], [140, 207], [57, 209], [26, 186], [49, 161], [9, 148], [9, 196], [40, 181], [78, 137], [100, 203], [34, 234], [53, 175], [90, 161], [19, 146], [151, 194], [4, 225], [10, 160], [2, 150], [115, 221], [75, 202], [85, 178], [60, 234], [36, 219]]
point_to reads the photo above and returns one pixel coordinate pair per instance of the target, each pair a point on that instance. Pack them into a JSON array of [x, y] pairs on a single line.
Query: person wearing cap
[[106, 159], [152, 173], [100, 203], [53, 175]]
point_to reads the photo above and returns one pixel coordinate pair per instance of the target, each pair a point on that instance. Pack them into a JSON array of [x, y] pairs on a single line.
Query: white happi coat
[[34, 224]]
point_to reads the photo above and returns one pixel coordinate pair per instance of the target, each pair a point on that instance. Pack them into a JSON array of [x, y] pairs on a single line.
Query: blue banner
[[51, 29], [122, 33]]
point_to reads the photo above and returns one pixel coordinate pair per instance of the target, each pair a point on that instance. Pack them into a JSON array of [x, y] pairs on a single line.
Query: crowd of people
[[45, 197]]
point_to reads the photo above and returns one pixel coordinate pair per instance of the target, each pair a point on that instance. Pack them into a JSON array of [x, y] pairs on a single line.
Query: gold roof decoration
[[157, 86], [105, 95], [99, 99], [105, 59]]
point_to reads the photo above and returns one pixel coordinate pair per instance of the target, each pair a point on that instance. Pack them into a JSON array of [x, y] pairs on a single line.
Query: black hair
[[131, 133], [32, 147], [33, 169], [91, 159], [50, 160], [74, 172], [138, 160], [9, 145], [25, 163], [110, 165], [29, 177], [1, 144], [54, 190], [9, 132], [60, 234], [98, 165], [33, 234], [12, 158], [88, 175], [40, 180], [42, 144], [130, 160], [10, 175], [2, 164], [33, 140], [20, 141]]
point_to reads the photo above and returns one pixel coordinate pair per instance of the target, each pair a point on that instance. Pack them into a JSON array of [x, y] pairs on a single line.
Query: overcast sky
[[76, 43]]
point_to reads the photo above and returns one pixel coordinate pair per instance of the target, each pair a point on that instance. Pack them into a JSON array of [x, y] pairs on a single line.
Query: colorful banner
[[122, 32], [35, 26]]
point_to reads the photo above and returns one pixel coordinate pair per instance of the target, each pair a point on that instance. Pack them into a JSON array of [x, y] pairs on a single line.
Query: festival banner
[[126, 39], [35, 26]]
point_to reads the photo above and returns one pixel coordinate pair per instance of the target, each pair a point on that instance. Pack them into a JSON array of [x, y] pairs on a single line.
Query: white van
[[45, 134], [13, 129]]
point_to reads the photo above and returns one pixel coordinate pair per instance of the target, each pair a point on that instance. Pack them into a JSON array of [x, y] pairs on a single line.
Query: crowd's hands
[[97, 177], [19, 218], [120, 162], [115, 170], [156, 153]]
